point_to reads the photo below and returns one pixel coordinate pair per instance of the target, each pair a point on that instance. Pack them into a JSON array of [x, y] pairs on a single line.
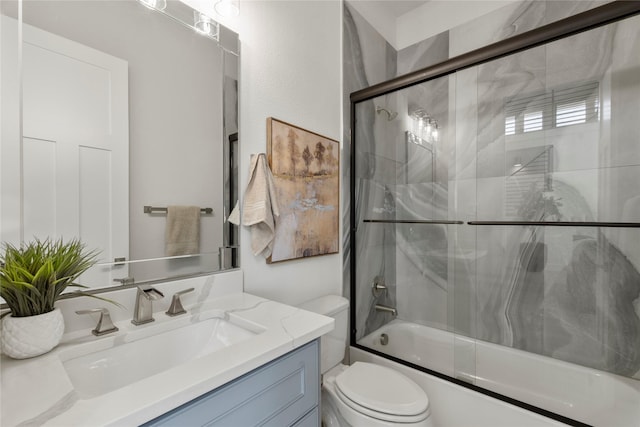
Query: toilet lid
[[382, 389]]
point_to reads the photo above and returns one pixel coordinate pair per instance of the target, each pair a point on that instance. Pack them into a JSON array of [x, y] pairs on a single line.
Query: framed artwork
[[306, 172]]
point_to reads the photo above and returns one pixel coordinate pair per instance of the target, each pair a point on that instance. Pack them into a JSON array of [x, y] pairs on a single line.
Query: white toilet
[[363, 394]]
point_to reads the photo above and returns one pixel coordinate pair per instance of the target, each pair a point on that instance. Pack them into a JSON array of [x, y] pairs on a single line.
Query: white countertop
[[38, 391]]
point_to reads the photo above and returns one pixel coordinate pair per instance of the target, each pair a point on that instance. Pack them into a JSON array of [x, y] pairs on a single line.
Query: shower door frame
[[603, 15]]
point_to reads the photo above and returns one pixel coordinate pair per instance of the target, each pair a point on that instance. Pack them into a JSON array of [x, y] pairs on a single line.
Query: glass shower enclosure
[[495, 227]]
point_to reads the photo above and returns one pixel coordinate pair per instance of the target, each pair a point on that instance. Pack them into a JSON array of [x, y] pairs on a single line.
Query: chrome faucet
[[143, 312], [392, 310]]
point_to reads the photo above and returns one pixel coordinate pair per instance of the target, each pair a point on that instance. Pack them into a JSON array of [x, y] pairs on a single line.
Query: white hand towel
[[260, 206], [182, 233], [234, 216]]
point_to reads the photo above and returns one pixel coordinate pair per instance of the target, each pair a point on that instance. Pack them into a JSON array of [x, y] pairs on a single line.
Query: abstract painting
[[306, 172]]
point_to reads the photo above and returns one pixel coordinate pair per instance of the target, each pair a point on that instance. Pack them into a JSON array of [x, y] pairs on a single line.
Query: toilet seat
[[381, 393]]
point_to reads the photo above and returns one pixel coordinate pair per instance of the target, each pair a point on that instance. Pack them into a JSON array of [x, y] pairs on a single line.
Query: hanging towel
[[234, 216], [260, 206], [182, 234]]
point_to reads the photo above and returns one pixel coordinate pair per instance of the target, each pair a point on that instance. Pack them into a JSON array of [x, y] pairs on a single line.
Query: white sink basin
[[106, 370]]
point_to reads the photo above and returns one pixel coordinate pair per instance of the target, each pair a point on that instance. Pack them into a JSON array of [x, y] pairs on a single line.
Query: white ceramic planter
[[24, 337]]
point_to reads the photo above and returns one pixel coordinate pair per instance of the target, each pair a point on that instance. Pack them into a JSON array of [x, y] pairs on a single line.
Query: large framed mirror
[[114, 113]]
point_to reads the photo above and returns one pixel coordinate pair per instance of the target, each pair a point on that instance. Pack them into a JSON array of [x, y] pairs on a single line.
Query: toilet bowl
[[363, 394], [368, 395]]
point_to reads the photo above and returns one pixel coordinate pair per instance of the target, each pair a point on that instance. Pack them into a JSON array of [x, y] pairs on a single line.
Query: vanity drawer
[[312, 419], [277, 394]]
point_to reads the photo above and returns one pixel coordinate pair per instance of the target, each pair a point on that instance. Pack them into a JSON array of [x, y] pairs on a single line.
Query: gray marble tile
[[493, 281], [380, 203], [590, 313], [375, 257], [581, 58], [609, 195], [464, 257], [513, 19], [463, 200], [490, 199], [556, 10], [424, 54], [499, 81], [564, 292], [466, 124], [420, 298], [371, 54], [569, 293], [422, 201], [623, 148], [367, 59]]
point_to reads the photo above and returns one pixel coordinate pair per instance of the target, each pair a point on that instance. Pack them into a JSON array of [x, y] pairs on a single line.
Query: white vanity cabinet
[[284, 392]]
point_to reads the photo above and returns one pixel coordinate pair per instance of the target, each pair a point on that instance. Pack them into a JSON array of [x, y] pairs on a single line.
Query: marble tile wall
[[569, 293], [561, 292], [368, 59]]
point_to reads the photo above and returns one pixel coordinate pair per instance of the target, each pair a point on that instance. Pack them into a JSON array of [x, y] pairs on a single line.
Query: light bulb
[[154, 4], [227, 8], [203, 24]]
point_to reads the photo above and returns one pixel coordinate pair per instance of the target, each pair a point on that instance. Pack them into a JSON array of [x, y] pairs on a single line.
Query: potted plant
[[32, 278]]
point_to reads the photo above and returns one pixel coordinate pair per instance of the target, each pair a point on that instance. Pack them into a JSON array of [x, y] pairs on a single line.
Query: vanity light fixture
[[424, 126], [227, 8], [205, 25], [155, 4]]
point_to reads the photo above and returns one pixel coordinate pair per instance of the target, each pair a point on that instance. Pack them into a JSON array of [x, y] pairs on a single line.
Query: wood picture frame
[[306, 171]]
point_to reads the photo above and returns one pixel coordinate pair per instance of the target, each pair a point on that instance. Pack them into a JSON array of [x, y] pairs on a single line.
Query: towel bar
[[153, 209]]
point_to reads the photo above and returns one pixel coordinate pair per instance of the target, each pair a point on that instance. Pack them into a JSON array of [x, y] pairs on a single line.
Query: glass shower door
[[497, 221], [413, 278]]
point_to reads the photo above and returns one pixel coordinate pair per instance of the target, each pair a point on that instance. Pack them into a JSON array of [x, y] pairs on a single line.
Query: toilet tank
[[334, 343]]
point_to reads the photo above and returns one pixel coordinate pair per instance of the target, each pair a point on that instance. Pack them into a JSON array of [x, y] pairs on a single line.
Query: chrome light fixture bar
[[204, 25], [424, 127], [155, 4], [184, 14]]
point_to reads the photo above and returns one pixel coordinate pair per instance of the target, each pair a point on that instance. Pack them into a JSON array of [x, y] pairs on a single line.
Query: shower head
[[390, 115]]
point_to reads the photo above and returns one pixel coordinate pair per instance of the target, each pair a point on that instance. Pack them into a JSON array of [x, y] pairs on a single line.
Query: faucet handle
[[105, 324], [378, 286], [176, 307]]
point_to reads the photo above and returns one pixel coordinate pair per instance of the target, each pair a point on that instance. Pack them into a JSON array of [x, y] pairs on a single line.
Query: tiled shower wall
[[583, 307]]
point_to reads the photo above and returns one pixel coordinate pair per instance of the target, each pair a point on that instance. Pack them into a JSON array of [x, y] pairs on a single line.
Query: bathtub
[[587, 395]]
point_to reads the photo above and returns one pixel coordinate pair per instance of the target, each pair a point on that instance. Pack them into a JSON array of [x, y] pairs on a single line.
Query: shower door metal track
[[413, 221], [559, 223], [597, 17]]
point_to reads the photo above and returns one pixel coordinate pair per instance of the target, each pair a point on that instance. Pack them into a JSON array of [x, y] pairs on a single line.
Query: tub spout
[[392, 310]]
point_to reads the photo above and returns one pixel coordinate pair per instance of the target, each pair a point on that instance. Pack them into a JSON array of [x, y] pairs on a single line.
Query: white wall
[[291, 70]]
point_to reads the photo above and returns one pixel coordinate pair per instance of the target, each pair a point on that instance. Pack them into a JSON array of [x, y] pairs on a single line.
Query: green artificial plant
[[34, 275]]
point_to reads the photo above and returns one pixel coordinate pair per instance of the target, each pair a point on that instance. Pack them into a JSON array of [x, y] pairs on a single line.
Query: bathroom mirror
[[111, 112]]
